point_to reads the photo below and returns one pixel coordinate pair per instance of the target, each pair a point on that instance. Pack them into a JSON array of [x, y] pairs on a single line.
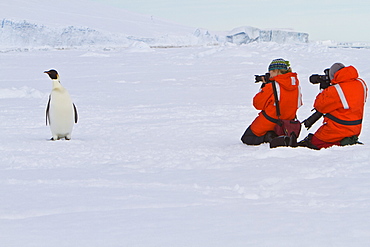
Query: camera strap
[[289, 128], [276, 99]]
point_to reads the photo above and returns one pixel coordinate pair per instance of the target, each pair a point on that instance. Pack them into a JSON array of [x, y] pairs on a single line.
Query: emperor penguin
[[61, 113]]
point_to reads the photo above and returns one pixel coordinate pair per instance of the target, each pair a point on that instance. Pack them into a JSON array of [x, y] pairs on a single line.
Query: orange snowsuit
[[290, 99], [343, 103]]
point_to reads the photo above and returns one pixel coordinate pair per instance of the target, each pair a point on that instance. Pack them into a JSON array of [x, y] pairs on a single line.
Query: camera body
[[260, 78], [323, 80]]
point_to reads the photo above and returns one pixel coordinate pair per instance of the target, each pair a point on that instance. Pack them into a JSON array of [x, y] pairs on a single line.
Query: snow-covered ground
[[156, 159]]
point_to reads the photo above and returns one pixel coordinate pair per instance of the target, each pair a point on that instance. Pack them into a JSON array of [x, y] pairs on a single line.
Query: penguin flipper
[[47, 111], [75, 111]]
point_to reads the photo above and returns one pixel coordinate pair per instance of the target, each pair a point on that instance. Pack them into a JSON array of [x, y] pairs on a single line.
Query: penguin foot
[[55, 138], [67, 138]]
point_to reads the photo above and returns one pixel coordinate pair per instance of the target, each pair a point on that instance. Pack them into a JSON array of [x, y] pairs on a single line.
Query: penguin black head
[[52, 73]]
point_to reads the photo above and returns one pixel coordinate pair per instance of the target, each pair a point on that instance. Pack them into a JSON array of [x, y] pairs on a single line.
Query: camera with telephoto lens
[[323, 80], [311, 120], [259, 78]]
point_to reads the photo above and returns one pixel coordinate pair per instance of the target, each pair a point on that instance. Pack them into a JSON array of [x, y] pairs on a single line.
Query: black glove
[[324, 84]]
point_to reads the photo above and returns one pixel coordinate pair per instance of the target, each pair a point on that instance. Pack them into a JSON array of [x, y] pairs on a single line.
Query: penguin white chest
[[61, 114]]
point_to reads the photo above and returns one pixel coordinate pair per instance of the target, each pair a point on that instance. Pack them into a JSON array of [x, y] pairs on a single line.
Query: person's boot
[[280, 141], [269, 136], [306, 142], [293, 140]]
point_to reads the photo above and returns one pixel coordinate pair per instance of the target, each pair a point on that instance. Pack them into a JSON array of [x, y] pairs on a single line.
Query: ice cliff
[[245, 35]]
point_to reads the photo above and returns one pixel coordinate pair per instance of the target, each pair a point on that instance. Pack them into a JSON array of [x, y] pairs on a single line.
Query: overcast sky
[[323, 19]]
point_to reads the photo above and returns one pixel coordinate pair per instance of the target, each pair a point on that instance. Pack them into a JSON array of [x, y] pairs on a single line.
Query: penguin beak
[[47, 72]]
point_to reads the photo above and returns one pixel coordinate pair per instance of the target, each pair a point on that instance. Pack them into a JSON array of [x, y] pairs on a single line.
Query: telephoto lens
[[311, 120], [315, 79]]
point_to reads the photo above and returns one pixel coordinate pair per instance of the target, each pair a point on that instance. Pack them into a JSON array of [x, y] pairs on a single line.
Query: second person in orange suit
[[342, 104]]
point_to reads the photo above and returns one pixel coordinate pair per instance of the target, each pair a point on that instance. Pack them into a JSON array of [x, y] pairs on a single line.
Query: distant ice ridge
[[247, 34], [335, 44], [24, 34]]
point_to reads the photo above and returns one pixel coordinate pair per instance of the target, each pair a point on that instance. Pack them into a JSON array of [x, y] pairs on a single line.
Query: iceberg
[[247, 34], [243, 35], [283, 36], [21, 34]]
